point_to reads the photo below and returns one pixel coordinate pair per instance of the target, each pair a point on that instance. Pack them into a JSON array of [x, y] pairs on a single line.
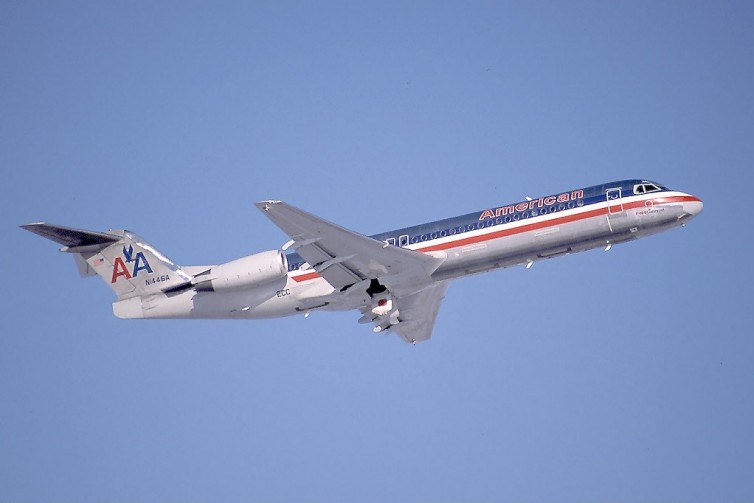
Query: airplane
[[396, 279]]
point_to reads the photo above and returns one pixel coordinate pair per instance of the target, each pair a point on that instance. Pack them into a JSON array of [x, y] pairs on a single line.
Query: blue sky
[[621, 376]]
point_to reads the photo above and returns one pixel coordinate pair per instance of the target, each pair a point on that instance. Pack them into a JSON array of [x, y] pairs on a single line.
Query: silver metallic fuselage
[[497, 240]]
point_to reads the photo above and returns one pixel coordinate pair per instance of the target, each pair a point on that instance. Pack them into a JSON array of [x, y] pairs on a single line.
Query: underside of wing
[[344, 257], [391, 286]]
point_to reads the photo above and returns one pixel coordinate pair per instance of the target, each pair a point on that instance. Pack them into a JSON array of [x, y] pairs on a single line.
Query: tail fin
[[125, 262]]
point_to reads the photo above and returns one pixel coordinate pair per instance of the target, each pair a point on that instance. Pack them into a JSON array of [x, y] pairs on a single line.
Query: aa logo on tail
[[140, 263]]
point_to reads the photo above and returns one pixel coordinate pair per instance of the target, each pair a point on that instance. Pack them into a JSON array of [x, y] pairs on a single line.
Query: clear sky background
[[620, 376]]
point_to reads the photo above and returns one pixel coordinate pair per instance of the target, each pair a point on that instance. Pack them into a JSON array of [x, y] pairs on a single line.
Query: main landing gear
[[383, 307]]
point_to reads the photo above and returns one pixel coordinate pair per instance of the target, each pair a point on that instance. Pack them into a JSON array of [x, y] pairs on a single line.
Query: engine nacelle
[[260, 269]]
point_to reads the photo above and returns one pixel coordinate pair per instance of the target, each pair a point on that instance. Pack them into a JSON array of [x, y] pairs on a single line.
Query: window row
[[515, 217]]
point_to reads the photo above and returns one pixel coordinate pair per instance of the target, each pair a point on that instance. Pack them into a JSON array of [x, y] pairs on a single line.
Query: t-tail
[[125, 262]]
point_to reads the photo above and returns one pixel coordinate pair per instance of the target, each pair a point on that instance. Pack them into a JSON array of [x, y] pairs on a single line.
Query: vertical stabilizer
[[132, 267]]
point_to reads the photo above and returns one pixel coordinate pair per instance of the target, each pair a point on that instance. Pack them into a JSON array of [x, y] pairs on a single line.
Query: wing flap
[[329, 265]]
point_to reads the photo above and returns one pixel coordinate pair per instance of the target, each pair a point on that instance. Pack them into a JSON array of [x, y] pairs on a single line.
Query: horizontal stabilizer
[[130, 266], [70, 237]]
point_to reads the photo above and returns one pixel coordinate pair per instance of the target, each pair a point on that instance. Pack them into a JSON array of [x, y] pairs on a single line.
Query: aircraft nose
[[693, 206]]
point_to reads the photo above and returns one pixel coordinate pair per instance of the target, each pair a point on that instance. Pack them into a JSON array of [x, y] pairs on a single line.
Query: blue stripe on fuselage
[[425, 233]]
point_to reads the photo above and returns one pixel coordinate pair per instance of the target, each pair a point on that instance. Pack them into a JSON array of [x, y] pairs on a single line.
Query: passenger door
[[616, 214]]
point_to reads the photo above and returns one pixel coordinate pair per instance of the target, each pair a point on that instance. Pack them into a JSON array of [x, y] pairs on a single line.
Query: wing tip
[[267, 205], [32, 225]]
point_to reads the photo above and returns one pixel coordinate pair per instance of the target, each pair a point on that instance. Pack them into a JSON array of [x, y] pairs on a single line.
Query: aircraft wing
[[345, 258]]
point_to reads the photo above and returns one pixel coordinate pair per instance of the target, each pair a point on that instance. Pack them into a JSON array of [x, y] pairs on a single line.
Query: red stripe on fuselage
[[566, 219], [305, 277], [553, 222]]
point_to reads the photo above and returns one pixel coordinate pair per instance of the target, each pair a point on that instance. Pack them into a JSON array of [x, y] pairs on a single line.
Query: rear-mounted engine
[[261, 269]]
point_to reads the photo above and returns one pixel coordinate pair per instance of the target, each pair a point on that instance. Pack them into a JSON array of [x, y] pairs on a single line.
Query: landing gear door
[[615, 211]]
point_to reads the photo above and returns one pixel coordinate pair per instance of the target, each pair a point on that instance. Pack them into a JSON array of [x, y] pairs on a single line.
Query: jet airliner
[[396, 279]]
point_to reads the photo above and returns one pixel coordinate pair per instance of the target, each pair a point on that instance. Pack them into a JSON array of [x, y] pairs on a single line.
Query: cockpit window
[[645, 188]]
